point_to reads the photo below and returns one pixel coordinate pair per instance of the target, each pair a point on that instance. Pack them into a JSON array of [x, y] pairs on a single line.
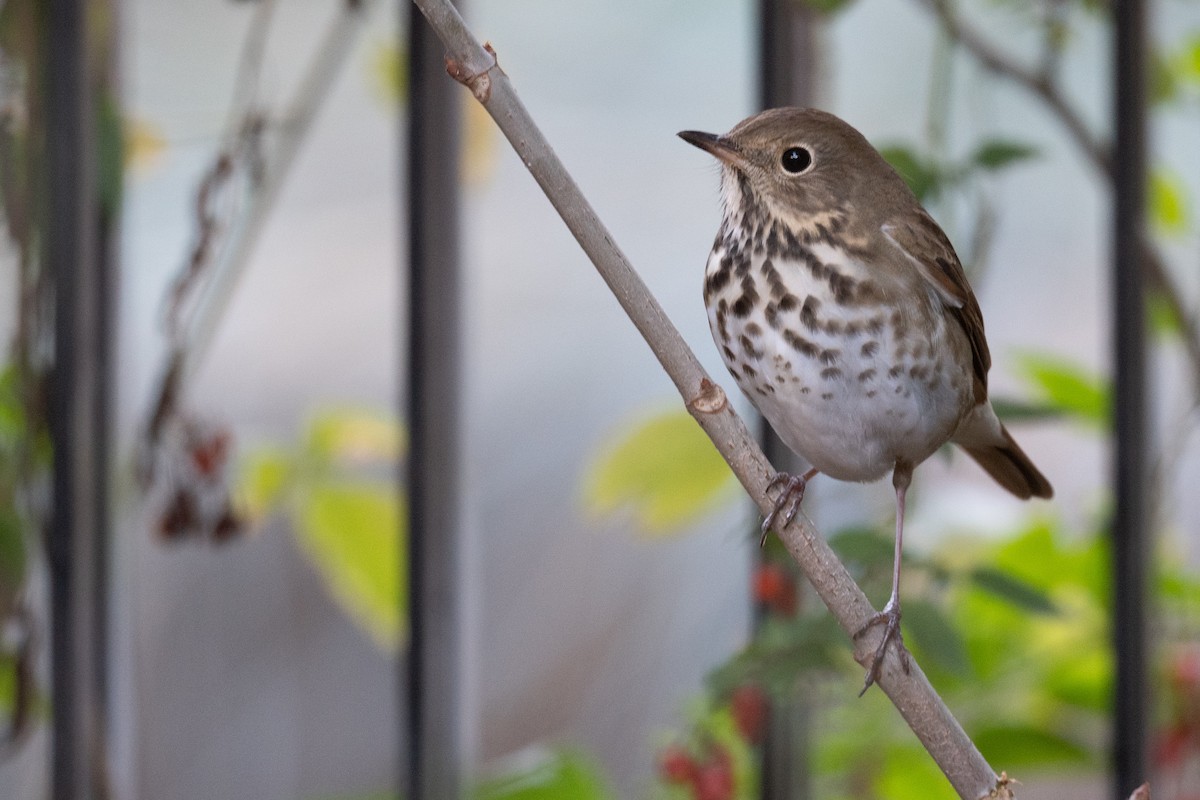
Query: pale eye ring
[[796, 160]]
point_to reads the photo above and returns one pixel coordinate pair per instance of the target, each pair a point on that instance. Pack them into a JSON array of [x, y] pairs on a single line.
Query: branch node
[[711, 398], [1003, 788], [480, 83]]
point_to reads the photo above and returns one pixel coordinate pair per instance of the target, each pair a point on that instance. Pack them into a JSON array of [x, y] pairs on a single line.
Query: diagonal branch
[[477, 68], [1039, 82], [1042, 84]]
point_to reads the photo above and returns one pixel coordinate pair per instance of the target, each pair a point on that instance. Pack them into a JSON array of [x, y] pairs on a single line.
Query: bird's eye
[[796, 160]]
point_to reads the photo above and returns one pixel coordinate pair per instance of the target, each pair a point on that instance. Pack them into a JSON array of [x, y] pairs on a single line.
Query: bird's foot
[[890, 619], [787, 503]]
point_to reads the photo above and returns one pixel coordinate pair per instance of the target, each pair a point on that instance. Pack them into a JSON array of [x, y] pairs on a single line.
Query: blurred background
[[242, 617]]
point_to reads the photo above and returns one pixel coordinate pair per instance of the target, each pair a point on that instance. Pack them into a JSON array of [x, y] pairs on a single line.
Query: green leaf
[[555, 775], [1187, 60], [782, 651], [1161, 315], [999, 153], [13, 557], [909, 772], [867, 547], [934, 636], [922, 177], [1025, 746], [353, 533], [1012, 410], [1067, 386], [665, 469], [827, 7], [1168, 202], [1013, 589], [1164, 82]]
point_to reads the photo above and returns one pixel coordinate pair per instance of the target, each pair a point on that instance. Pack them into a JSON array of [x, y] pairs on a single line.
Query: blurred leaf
[[1168, 202], [1026, 746], [351, 437], [1039, 557], [387, 69], [1065, 385], [1011, 410], [264, 475], [557, 775], [143, 144], [353, 533], [665, 469], [12, 416], [783, 650], [1187, 61], [13, 555], [1161, 315], [1083, 677], [1164, 82], [922, 178], [909, 772], [867, 547], [828, 7], [934, 636], [998, 153], [1013, 589]]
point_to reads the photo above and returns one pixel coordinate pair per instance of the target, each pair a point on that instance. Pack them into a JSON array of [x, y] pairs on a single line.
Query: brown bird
[[842, 311]]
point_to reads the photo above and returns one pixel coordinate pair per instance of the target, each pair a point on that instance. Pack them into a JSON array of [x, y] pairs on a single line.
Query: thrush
[[843, 313]]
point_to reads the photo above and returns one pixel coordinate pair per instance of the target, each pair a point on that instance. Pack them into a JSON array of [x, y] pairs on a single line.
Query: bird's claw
[[787, 503], [890, 618]]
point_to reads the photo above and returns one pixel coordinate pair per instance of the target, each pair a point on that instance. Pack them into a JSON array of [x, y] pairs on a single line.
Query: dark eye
[[796, 160]]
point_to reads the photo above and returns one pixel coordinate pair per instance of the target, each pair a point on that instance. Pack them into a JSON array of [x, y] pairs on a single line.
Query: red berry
[[750, 707], [1171, 747], [714, 779], [676, 765], [209, 454], [775, 588]]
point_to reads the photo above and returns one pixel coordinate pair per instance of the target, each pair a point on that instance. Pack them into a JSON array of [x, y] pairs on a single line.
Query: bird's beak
[[719, 146]]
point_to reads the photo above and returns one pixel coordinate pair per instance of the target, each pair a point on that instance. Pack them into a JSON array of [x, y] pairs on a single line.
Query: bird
[[843, 313]]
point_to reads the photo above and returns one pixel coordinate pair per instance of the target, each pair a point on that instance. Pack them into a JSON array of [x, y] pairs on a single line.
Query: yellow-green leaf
[[387, 68], [1068, 387], [352, 533], [355, 436], [1168, 202], [546, 775], [663, 468], [264, 475]]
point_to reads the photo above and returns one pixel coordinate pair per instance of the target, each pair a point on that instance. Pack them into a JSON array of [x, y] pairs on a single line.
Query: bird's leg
[[890, 615], [788, 502]]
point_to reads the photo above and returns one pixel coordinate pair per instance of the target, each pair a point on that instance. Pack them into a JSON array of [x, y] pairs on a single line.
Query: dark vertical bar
[[788, 55], [787, 77], [1131, 533], [436, 732], [71, 540]]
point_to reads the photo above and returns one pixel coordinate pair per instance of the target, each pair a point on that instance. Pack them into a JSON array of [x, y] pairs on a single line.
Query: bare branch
[[1042, 84], [233, 203], [477, 68], [1038, 82]]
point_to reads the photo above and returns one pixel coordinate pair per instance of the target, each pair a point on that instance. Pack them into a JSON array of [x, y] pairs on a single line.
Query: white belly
[[836, 381]]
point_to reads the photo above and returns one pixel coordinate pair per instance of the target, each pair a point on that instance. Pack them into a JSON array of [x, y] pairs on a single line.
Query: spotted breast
[[848, 378]]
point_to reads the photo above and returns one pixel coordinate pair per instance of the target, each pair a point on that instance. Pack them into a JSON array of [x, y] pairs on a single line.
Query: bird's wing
[[926, 247]]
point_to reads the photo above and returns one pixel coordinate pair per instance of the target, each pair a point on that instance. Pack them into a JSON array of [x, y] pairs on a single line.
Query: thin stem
[[478, 69]]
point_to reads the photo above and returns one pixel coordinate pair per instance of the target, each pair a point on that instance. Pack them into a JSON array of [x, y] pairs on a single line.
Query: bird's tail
[[1012, 469]]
